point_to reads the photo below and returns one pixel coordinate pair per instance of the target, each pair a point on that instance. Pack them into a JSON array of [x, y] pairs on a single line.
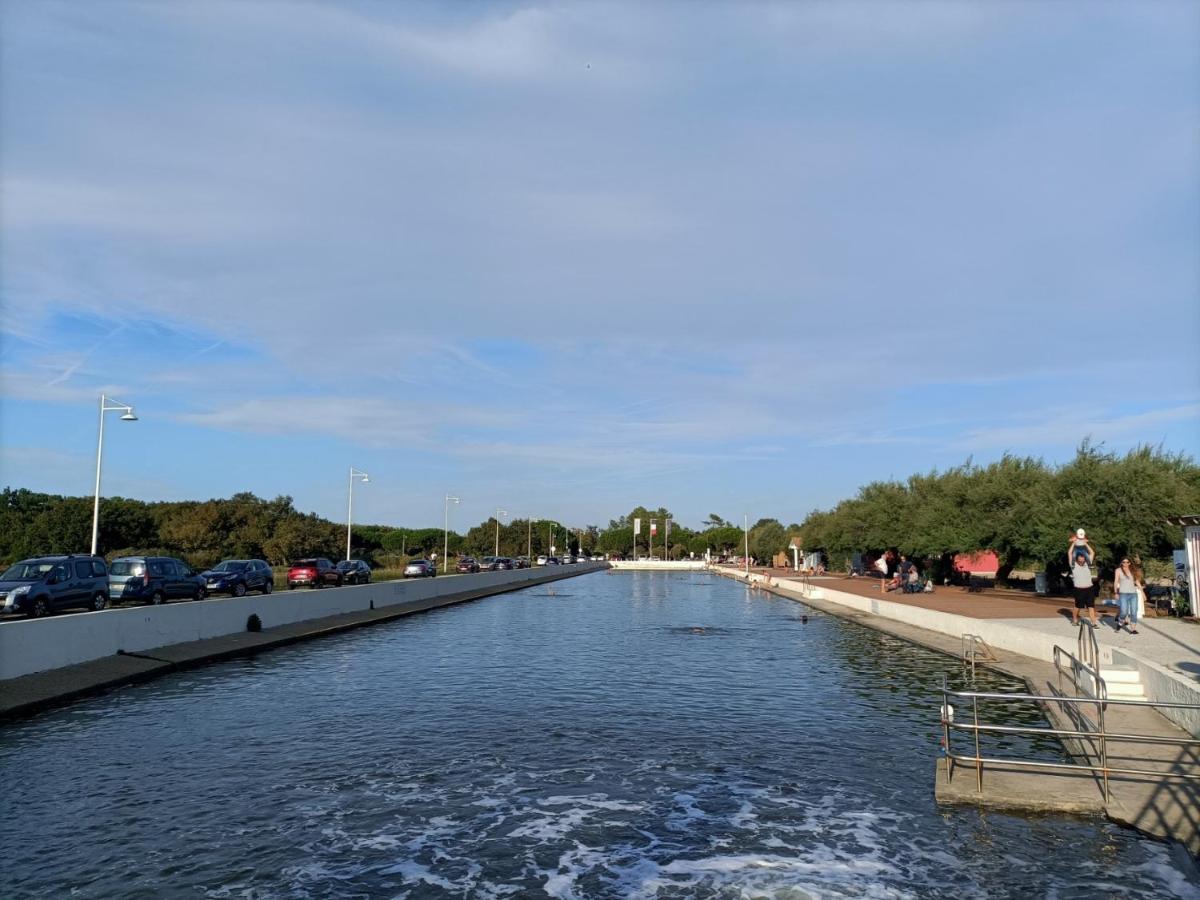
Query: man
[[1085, 596]]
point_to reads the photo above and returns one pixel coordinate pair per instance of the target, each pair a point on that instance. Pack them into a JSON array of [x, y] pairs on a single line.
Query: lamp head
[[366, 479], [129, 416]]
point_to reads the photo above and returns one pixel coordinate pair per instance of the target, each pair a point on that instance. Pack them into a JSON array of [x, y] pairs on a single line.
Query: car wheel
[[339, 582], [268, 587], [239, 590], [159, 598], [99, 601], [39, 608], [291, 587], [201, 593]]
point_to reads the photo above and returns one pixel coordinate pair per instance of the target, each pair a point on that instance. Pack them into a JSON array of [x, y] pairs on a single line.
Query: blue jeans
[[1127, 608]]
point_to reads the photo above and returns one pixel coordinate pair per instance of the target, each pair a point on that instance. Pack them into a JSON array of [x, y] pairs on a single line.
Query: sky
[[563, 259]]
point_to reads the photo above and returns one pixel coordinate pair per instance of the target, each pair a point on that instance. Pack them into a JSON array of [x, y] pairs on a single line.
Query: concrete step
[[1120, 675]]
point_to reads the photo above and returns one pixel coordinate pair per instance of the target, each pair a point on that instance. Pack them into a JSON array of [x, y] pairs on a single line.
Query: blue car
[[238, 576]]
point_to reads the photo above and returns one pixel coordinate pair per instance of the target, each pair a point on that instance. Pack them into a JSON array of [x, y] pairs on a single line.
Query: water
[[615, 735]]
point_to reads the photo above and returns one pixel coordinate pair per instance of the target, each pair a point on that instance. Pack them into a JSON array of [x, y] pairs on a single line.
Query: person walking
[[1125, 585], [1085, 595]]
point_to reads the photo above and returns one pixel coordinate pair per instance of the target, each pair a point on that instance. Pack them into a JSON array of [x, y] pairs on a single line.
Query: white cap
[[1080, 533]]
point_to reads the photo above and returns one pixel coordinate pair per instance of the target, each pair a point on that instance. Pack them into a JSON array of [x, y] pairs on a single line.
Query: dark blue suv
[[237, 576], [38, 587]]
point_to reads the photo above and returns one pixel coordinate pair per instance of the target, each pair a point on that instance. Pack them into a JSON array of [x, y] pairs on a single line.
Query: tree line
[[1022, 509], [243, 526]]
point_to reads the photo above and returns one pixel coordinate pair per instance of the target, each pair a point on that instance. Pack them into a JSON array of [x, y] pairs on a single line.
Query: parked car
[[502, 563], [37, 587], [354, 571], [315, 573], [552, 561], [521, 562], [420, 568], [486, 563], [541, 560], [237, 576], [467, 564], [154, 579]]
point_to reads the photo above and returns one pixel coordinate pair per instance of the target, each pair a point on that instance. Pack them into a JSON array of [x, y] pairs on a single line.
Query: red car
[[313, 573]]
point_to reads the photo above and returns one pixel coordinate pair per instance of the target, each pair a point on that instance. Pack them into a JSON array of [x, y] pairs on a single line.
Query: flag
[[653, 528], [637, 526]]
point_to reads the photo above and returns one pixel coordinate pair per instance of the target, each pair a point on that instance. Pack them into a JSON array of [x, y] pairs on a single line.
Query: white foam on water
[[596, 801], [412, 871]]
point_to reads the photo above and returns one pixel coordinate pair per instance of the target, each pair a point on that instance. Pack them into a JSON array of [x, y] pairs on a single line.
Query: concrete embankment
[[1164, 807], [1160, 683], [44, 662]]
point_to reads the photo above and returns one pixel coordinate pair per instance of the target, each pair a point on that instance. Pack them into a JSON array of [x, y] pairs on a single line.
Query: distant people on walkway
[[1085, 595], [1079, 543], [1125, 588]]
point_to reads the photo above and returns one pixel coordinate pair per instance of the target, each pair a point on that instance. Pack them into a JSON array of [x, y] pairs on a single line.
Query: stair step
[[1123, 676], [1127, 694]]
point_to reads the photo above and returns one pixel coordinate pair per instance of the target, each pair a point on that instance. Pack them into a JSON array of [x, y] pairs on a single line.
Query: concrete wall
[[35, 645]]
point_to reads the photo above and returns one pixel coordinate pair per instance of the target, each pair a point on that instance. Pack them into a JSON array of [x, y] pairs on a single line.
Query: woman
[[1125, 585]]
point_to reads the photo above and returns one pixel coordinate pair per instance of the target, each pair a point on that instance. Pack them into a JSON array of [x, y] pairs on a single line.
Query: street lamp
[[499, 513], [529, 541], [355, 475], [105, 406], [746, 529], [446, 544]]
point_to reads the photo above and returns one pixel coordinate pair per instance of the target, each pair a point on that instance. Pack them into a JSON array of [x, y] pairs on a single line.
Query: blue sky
[[568, 258]]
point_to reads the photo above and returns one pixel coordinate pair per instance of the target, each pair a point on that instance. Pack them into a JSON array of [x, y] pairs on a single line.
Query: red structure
[[985, 562]]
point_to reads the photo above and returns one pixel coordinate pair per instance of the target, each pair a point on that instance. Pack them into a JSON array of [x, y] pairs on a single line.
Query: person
[[913, 583], [1085, 598], [895, 583], [1079, 543], [1125, 585]]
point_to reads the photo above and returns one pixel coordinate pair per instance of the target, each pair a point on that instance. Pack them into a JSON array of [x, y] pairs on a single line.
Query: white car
[[541, 560]]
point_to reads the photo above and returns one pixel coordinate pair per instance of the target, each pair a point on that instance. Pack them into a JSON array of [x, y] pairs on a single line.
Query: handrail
[[1100, 690], [975, 648], [1097, 733], [1089, 649]]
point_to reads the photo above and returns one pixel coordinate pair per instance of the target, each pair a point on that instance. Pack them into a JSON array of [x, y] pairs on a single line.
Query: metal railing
[[1088, 647], [1096, 735], [975, 648]]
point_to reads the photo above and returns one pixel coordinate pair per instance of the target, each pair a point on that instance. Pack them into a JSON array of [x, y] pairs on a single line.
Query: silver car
[[420, 568]]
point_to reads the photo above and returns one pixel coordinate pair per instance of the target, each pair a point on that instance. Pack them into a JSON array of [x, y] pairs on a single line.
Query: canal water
[[613, 735]]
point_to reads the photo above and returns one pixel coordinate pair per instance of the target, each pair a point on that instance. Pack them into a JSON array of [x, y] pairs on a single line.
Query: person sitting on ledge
[[895, 583]]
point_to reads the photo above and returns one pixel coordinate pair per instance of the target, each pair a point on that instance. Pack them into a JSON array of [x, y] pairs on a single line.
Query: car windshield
[[347, 564], [230, 566], [307, 563], [126, 568], [26, 571]]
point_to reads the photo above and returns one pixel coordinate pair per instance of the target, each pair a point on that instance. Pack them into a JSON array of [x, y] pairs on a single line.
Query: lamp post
[[746, 529], [105, 406], [499, 513], [446, 540], [529, 541], [355, 475]]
